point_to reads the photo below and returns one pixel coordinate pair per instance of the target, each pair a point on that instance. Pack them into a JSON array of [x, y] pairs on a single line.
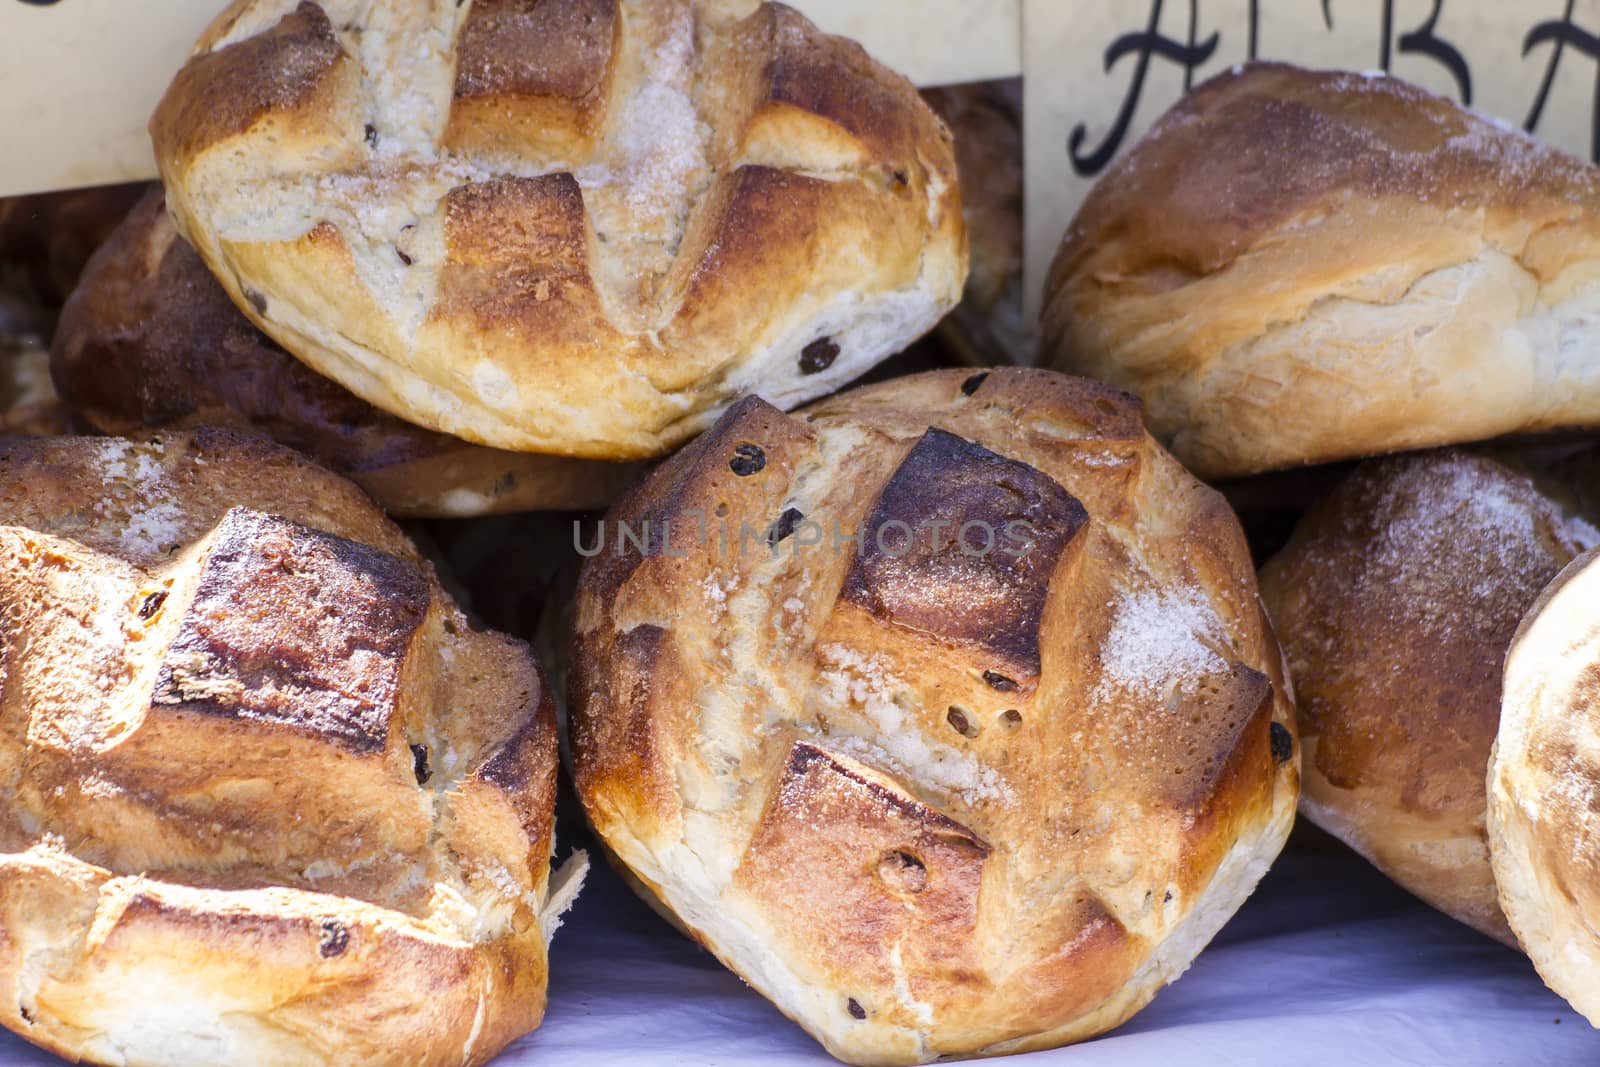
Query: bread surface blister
[[935, 802], [270, 797]]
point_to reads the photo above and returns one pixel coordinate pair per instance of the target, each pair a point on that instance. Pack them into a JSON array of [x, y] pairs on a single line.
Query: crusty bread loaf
[[1395, 601], [1544, 786], [988, 326], [581, 227], [1299, 266], [930, 799], [269, 798], [150, 340]]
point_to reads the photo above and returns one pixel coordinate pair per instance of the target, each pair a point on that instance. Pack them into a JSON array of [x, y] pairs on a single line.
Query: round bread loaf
[[1544, 786], [945, 713], [150, 340], [1395, 601], [1296, 267], [988, 326], [270, 799], [581, 227]]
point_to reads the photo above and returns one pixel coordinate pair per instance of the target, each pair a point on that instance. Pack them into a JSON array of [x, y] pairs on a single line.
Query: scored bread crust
[[935, 804], [1297, 266], [1395, 601], [582, 228], [150, 340], [269, 797], [1544, 786]]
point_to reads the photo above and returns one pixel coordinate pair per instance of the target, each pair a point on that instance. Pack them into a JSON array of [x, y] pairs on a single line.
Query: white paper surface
[[1327, 964]]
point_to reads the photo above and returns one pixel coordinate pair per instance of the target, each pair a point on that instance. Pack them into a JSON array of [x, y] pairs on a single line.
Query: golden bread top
[[956, 796], [579, 227], [242, 721], [1299, 266]]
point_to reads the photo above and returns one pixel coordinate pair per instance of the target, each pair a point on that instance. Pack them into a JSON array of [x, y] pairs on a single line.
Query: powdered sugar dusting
[[1463, 500], [153, 530], [1160, 637], [1582, 533], [136, 490], [657, 146], [851, 679]]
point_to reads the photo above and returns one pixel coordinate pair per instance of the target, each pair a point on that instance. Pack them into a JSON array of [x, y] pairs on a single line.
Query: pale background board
[[79, 78]]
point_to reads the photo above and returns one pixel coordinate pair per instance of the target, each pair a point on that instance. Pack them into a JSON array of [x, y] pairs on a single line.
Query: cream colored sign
[[79, 78], [1099, 72]]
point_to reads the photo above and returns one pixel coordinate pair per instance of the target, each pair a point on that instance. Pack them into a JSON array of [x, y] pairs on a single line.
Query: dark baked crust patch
[[961, 545], [297, 627], [535, 47]]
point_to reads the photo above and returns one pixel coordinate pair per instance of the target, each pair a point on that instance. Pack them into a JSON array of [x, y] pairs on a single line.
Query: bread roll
[[150, 340], [988, 326], [1544, 786], [580, 228], [1395, 601], [981, 782], [1296, 266], [270, 799]]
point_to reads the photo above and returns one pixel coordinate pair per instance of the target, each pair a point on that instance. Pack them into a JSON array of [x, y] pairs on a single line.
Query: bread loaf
[[581, 227], [270, 799], [1298, 266], [945, 712], [149, 340], [1544, 781], [1395, 601]]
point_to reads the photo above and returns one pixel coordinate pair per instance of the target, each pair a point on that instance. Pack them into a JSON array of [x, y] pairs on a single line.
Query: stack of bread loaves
[[946, 710], [1297, 267], [478, 256]]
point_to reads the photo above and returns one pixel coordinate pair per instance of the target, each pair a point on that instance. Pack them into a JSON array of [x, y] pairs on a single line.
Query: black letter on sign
[[1420, 41], [1423, 41], [1562, 32], [1144, 45]]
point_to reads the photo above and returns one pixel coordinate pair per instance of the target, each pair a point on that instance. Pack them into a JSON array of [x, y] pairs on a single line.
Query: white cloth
[[1326, 964]]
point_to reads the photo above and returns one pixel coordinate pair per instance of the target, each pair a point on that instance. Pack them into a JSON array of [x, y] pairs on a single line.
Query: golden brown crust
[[540, 226], [150, 340], [1396, 600], [253, 755], [1298, 266], [773, 719], [533, 77]]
